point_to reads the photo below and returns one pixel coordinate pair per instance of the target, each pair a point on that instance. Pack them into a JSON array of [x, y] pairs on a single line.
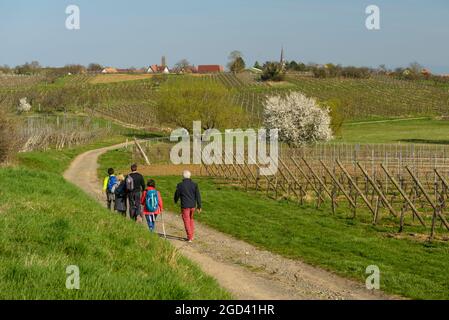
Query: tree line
[[275, 71], [35, 68], [270, 70]]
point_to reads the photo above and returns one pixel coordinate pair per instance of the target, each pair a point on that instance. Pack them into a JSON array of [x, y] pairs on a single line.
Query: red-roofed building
[[158, 69], [109, 70], [213, 68]]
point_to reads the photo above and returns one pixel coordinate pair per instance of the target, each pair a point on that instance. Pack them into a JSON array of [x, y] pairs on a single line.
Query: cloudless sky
[[138, 32]]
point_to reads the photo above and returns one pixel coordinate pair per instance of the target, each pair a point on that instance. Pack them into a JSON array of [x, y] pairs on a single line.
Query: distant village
[[164, 69]]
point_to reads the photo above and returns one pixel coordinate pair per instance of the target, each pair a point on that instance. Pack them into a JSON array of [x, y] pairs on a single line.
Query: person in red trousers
[[188, 192]]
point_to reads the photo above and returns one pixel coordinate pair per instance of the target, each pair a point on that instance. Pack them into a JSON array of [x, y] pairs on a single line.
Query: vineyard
[[402, 186], [59, 132], [18, 81], [133, 103], [378, 96], [396, 186]]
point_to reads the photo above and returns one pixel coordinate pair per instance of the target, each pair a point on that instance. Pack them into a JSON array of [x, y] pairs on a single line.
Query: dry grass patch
[[111, 78]]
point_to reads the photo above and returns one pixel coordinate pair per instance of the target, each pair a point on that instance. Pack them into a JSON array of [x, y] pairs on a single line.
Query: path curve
[[247, 272]]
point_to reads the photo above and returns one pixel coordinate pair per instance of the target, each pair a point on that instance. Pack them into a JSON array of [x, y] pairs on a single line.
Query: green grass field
[[426, 131], [48, 224]]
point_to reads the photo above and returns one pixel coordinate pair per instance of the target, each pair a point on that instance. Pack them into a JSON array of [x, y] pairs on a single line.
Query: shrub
[[23, 106], [355, 73], [319, 73], [273, 71], [300, 119]]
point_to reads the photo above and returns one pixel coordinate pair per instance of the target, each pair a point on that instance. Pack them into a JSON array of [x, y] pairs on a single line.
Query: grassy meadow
[[48, 224], [419, 131]]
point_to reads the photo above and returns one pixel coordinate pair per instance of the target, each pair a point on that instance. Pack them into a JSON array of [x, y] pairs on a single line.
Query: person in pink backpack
[[152, 204]]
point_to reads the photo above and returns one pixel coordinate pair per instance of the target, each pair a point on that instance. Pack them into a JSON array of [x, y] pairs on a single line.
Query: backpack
[[115, 187], [112, 183], [152, 201], [120, 190], [129, 183]]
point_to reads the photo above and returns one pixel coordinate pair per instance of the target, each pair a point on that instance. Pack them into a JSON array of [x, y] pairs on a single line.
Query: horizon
[[123, 35]]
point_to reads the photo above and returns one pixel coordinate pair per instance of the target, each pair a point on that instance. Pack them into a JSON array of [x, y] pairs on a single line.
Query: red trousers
[[189, 224]]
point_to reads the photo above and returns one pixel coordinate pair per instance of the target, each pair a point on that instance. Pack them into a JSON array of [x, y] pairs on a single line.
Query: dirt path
[[247, 272]]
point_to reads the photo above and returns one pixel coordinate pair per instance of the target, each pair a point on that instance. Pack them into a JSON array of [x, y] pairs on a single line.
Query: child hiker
[[120, 196], [109, 185], [152, 204]]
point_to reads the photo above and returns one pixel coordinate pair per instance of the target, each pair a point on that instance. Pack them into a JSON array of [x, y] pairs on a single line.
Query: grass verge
[[48, 224]]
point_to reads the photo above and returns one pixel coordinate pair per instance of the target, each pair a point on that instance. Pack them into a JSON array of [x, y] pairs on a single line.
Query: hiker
[[120, 196], [152, 204], [190, 196], [135, 184], [109, 183]]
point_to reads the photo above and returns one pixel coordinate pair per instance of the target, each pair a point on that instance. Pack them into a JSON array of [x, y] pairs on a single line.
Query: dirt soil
[[247, 272]]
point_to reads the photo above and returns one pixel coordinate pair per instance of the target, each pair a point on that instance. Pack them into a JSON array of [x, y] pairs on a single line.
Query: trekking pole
[[163, 225]]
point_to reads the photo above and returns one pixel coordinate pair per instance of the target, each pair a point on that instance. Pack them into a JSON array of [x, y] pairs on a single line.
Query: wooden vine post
[[139, 147]]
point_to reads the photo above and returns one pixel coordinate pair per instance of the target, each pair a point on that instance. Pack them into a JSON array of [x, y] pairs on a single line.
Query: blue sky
[[138, 32]]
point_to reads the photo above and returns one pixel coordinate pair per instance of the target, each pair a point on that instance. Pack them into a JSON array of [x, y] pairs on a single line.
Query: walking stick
[[163, 225]]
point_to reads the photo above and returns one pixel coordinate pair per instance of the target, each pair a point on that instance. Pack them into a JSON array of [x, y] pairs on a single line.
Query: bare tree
[[94, 67], [415, 68], [182, 65]]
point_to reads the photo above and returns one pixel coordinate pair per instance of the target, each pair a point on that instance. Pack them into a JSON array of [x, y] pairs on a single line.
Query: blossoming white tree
[[300, 119], [23, 106]]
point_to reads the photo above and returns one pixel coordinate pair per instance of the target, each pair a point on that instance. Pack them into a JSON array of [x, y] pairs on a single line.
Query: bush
[[273, 71], [319, 73], [6, 137], [300, 119], [333, 71], [355, 73]]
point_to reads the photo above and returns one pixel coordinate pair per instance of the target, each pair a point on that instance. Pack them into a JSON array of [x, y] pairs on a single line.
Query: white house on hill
[[158, 69]]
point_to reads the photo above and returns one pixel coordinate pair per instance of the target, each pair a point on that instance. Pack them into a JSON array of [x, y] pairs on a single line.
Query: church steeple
[[282, 56], [282, 62]]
